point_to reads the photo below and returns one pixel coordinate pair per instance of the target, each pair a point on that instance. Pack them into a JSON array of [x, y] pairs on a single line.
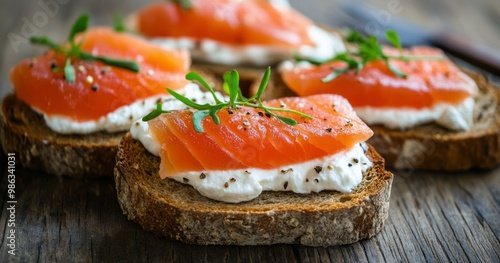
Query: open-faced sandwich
[[426, 113], [245, 172], [226, 34], [72, 104]]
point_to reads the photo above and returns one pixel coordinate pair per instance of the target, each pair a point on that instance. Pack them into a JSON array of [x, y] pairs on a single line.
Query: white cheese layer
[[457, 117], [280, 3], [454, 117], [122, 118], [338, 172], [326, 46], [341, 172]]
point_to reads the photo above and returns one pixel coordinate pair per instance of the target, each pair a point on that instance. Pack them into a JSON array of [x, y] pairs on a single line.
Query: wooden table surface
[[433, 217]]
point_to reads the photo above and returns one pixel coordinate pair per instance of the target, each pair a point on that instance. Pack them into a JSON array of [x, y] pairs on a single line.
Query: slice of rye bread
[[178, 212], [24, 132], [430, 146]]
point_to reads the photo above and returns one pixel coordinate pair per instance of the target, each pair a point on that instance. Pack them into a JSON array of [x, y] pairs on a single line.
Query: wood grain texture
[[447, 217], [432, 217]]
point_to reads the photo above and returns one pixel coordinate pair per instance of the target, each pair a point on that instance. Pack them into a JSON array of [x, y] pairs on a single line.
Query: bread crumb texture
[[23, 131], [177, 211]]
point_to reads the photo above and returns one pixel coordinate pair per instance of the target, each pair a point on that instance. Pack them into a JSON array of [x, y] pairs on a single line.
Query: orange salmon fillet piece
[[252, 22], [38, 85], [247, 138], [429, 82]]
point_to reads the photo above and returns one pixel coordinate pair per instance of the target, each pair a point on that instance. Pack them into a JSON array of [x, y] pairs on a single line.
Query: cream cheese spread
[[454, 117], [122, 118], [326, 46], [280, 3], [342, 172], [457, 117]]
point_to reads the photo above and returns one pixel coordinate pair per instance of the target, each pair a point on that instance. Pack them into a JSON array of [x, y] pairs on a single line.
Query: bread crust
[[431, 147], [24, 132], [178, 212]]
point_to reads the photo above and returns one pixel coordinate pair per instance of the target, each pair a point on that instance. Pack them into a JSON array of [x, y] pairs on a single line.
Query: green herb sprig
[[118, 23], [368, 49], [185, 4], [74, 51], [236, 99]]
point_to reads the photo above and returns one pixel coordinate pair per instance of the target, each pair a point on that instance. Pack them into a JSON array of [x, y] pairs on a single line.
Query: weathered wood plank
[[433, 217]]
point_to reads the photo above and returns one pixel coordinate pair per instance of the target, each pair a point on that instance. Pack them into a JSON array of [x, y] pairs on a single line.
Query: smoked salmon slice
[[99, 89], [252, 22], [428, 82], [248, 138]]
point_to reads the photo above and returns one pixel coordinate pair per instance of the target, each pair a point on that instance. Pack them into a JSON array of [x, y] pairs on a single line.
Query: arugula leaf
[[185, 4], [354, 37], [334, 74], [119, 63], [393, 37], [367, 50], [155, 113], [69, 71], [394, 70], [195, 76], [73, 50], [187, 101], [213, 114], [287, 120], [118, 23], [233, 83], [45, 41], [198, 117], [231, 80], [81, 24], [263, 83], [225, 86]]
